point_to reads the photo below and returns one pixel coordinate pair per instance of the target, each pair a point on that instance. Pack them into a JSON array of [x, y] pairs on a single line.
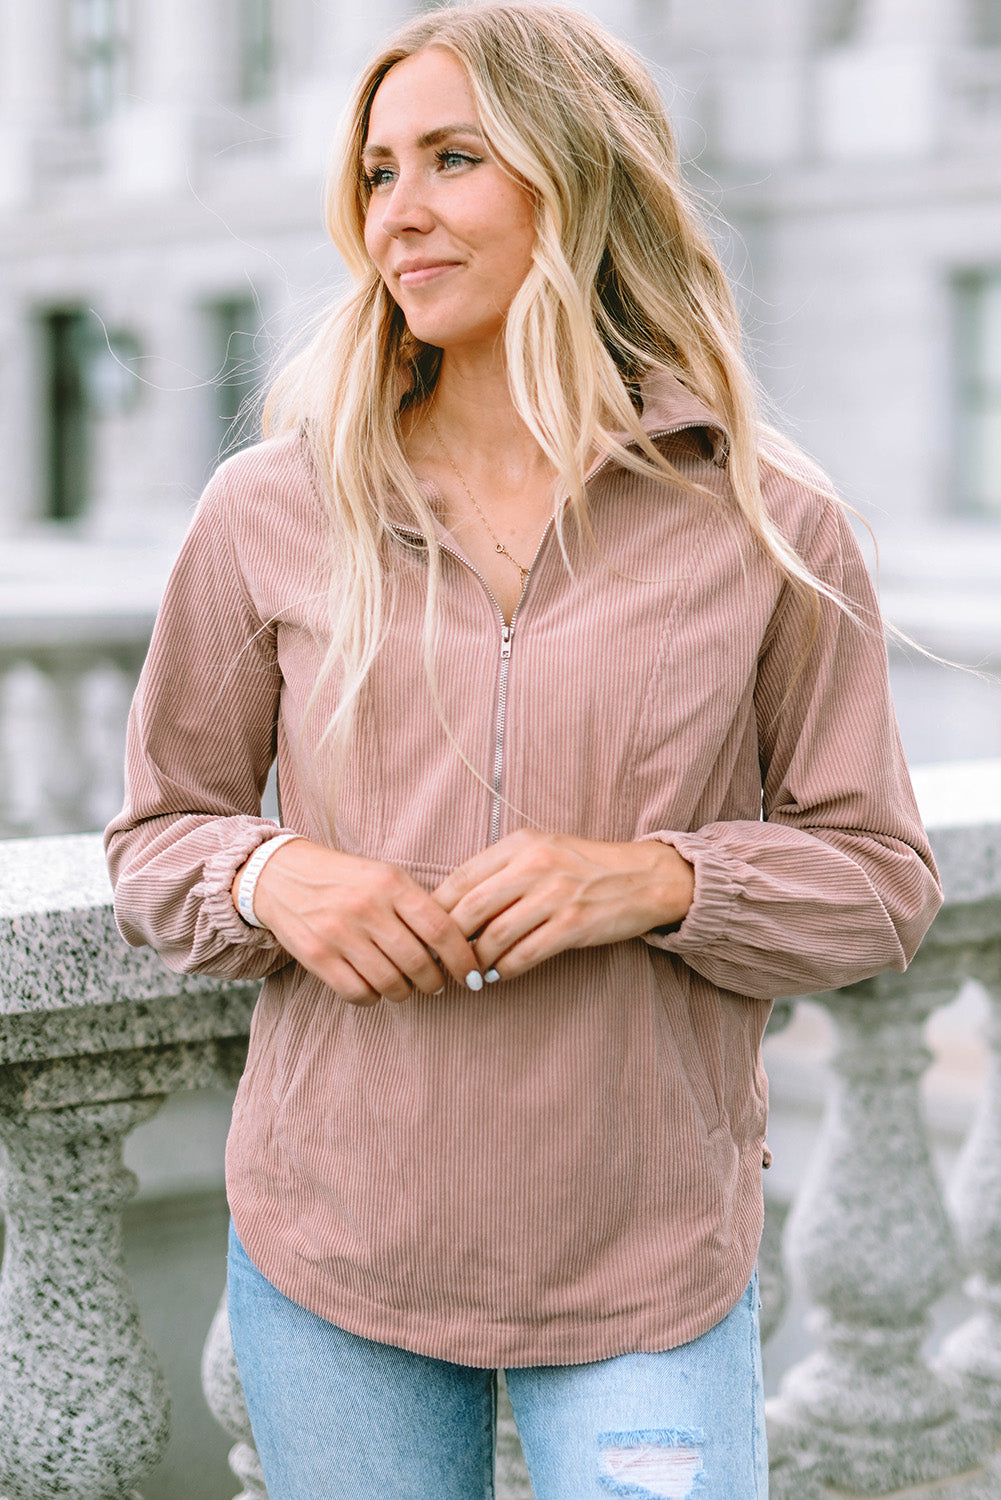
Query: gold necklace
[[498, 544]]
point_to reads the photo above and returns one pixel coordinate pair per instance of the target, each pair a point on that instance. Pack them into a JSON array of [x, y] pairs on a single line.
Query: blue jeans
[[338, 1417]]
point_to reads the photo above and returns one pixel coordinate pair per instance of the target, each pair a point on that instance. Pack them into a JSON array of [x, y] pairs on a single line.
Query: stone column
[[31, 42], [342, 36], [178, 62], [972, 1354], [224, 1394], [869, 1239], [85, 1408], [30, 60], [883, 95], [67, 774]]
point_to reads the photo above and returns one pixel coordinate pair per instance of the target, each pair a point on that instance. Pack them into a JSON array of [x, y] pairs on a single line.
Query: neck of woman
[[475, 415]]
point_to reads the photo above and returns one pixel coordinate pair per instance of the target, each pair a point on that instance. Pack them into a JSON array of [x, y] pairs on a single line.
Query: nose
[[406, 205]]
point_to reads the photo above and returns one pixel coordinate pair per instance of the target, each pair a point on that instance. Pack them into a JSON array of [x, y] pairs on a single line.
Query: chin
[[449, 337]]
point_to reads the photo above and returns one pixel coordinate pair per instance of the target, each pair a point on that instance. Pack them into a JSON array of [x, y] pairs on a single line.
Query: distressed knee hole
[[666, 1463]]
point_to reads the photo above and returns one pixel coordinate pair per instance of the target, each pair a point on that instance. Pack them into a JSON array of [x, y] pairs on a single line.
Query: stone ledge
[[59, 946]]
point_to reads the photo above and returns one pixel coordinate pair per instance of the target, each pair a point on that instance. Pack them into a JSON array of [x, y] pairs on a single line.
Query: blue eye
[[449, 158], [378, 177]]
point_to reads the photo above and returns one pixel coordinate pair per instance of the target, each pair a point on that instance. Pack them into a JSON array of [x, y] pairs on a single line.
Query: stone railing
[[93, 1037], [869, 1237], [65, 686]]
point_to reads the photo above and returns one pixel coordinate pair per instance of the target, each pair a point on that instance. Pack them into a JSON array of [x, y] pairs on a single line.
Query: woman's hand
[[533, 895], [362, 926]]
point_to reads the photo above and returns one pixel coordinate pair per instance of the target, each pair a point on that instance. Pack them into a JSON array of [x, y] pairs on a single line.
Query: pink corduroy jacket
[[566, 1166]]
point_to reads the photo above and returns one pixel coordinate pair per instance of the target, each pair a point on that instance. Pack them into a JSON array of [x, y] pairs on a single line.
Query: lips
[[419, 273]]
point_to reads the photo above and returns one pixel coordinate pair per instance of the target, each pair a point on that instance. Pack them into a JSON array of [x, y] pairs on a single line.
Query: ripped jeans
[[338, 1417]]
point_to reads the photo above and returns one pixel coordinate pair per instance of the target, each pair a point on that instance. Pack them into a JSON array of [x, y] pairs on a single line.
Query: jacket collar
[[669, 406]]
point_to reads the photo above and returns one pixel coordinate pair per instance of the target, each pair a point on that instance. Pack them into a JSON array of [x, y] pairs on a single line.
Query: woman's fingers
[[539, 923], [363, 926], [339, 975], [438, 931], [505, 873], [507, 890], [367, 928], [466, 877], [533, 895]]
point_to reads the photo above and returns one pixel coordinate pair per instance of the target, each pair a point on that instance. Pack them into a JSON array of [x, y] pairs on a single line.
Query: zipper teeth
[[499, 728], [507, 637], [500, 720]]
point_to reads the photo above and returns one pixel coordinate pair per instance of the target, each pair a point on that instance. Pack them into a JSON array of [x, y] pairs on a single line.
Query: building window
[[978, 392], [97, 57], [66, 348], [235, 325], [257, 49]]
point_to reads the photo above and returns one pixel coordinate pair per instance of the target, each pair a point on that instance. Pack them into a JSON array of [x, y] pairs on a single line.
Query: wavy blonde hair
[[624, 282]]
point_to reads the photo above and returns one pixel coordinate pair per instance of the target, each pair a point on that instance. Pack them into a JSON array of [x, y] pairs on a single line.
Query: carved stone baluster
[[23, 719], [106, 692], [224, 1394], [773, 1286], [870, 1242], [973, 1353], [8, 747], [67, 770], [85, 1409]]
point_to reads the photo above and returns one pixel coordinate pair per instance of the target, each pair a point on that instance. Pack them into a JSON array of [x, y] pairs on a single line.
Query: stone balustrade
[[65, 686], [93, 1037]]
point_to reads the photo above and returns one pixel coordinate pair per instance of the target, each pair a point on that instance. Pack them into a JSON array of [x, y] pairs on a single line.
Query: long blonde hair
[[624, 282]]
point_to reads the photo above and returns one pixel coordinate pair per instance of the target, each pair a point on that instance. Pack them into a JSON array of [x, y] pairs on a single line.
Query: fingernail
[[474, 980], [436, 993], [491, 976]]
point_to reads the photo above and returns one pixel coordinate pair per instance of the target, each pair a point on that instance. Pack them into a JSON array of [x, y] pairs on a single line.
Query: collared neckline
[[669, 406]]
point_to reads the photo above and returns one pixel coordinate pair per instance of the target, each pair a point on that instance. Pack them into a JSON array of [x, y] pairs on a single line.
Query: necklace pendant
[[500, 548]]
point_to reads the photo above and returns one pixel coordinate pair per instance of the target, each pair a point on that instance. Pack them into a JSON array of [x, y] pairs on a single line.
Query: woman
[[585, 753]]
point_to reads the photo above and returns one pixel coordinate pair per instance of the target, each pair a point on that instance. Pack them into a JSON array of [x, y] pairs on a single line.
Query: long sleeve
[[836, 882], [201, 741]]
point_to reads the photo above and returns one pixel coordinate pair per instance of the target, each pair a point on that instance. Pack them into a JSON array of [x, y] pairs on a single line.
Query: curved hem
[[496, 1346]]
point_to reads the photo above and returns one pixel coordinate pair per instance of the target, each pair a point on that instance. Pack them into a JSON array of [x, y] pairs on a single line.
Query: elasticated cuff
[[213, 891], [716, 888]]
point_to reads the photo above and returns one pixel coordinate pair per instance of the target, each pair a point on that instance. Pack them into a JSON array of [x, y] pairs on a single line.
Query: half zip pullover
[[567, 1166]]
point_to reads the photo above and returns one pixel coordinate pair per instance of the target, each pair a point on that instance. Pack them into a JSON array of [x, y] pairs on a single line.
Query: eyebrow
[[429, 138]]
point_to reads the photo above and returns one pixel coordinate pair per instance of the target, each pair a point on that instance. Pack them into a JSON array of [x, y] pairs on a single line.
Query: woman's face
[[449, 229]]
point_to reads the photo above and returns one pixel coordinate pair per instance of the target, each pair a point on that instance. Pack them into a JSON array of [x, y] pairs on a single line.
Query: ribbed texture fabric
[[566, 1166]]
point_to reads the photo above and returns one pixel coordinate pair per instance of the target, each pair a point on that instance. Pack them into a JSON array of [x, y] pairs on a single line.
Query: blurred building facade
[[160, 231]]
